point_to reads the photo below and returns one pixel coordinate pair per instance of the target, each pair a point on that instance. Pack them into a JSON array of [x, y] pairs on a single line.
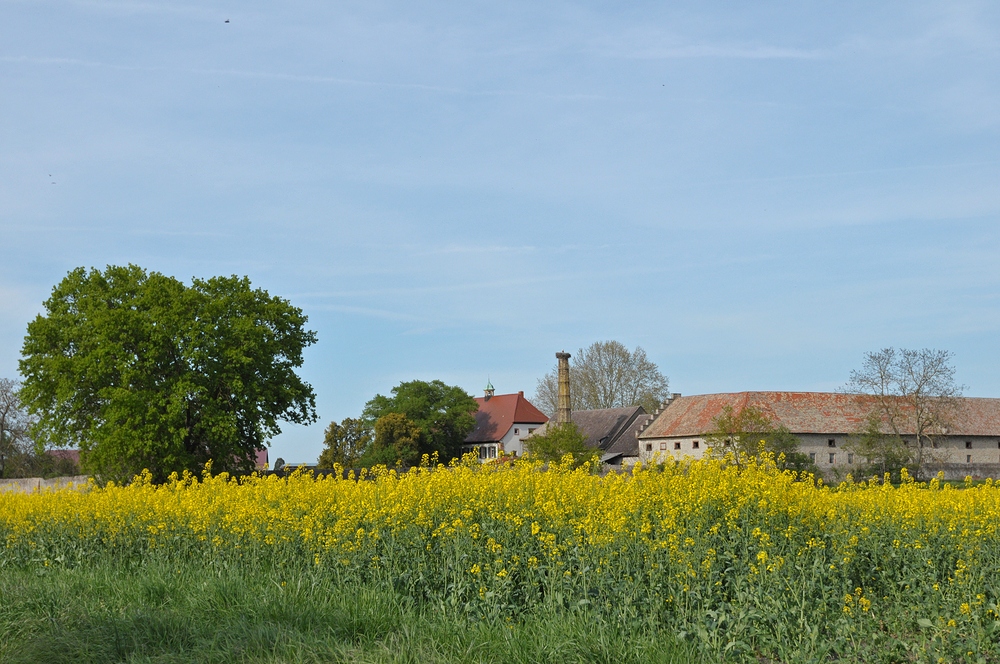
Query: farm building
[[824, 422], [503, 421]]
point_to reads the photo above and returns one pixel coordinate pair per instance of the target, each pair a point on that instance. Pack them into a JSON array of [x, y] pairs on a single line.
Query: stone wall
[[29, 484]]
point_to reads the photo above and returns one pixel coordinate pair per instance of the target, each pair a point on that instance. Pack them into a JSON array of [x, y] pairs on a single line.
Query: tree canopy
[[397, 440], [606, 374], [444, 414], [557, 441], [139, 371], [344, 443]]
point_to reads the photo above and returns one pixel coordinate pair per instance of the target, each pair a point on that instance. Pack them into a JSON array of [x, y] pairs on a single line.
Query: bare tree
[[912, 394], [606, 375], [15, 423]]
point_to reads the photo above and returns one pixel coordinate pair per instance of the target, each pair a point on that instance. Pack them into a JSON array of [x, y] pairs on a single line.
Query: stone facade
[[823, 423]]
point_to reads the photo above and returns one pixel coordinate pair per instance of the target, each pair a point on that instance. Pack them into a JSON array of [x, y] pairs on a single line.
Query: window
[[968, 444], [663, 445], [493, 451], [677, 445], [968, 458], [517, 431], [831, 442], [482, 451], [694, 444], [833, 457], [649, 447], [812, 457], [850, 457], [531, 429]]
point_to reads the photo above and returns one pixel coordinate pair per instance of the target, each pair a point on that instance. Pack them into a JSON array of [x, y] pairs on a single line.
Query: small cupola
[[489, 390]]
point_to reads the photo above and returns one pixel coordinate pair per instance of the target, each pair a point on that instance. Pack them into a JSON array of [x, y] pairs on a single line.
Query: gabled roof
[[806, 412], [499, 413], [626, 442], [606, 427], [609, 429]]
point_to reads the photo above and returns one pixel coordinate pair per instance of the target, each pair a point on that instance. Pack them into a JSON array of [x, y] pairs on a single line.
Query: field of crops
[[749, 564]]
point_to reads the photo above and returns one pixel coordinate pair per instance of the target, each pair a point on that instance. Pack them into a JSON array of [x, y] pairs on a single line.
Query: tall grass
[[164, 613]]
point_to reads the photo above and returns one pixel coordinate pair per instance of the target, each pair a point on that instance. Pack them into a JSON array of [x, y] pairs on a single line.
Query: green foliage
[[741, 433], [444, 414], [397, 440], [140, 371], [559, 440], [883, 452], [345, 443], [785, 446], [747, 432]]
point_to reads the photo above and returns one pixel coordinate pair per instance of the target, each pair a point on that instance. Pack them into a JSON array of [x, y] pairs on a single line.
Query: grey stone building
[[824, 422]]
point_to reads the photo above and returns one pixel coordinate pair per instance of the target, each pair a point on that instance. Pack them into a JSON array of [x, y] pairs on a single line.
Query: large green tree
[[139, 371], [397, 440], [444, 414], [344, 443]]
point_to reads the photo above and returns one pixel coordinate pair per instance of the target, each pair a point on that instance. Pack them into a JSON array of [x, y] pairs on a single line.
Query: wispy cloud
[[732, 51], [849, 173], [486, 286], [650, 43], [369, 312], [182, 233], [482, 249], [302, 78]]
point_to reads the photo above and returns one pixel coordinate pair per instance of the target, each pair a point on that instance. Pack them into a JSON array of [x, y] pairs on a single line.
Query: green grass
[[159, 613]]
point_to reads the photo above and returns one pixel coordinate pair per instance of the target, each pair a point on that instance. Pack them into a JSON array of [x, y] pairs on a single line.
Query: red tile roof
[[805, 412], [499, 413]]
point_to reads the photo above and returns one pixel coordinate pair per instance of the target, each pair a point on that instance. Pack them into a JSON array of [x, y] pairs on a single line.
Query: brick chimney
[[564, 409]]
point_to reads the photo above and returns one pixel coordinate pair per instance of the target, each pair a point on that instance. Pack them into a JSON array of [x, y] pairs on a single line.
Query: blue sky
[[755, 193]]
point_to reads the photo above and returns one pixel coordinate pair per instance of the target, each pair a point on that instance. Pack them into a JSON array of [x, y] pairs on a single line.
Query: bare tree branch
[[914, 394], [606, 375]]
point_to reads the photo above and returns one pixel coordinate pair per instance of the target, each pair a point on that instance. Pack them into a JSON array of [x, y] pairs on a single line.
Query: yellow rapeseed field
[[733, 558]]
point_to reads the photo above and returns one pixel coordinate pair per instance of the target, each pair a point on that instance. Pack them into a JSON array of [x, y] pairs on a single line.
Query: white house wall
[[513, 440], [512, 443]]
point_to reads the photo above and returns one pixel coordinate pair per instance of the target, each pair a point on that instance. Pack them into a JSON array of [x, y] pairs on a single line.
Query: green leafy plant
[[139, 371]]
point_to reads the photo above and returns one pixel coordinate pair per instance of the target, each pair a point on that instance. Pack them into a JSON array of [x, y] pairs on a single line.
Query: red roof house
[[503, 421]]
